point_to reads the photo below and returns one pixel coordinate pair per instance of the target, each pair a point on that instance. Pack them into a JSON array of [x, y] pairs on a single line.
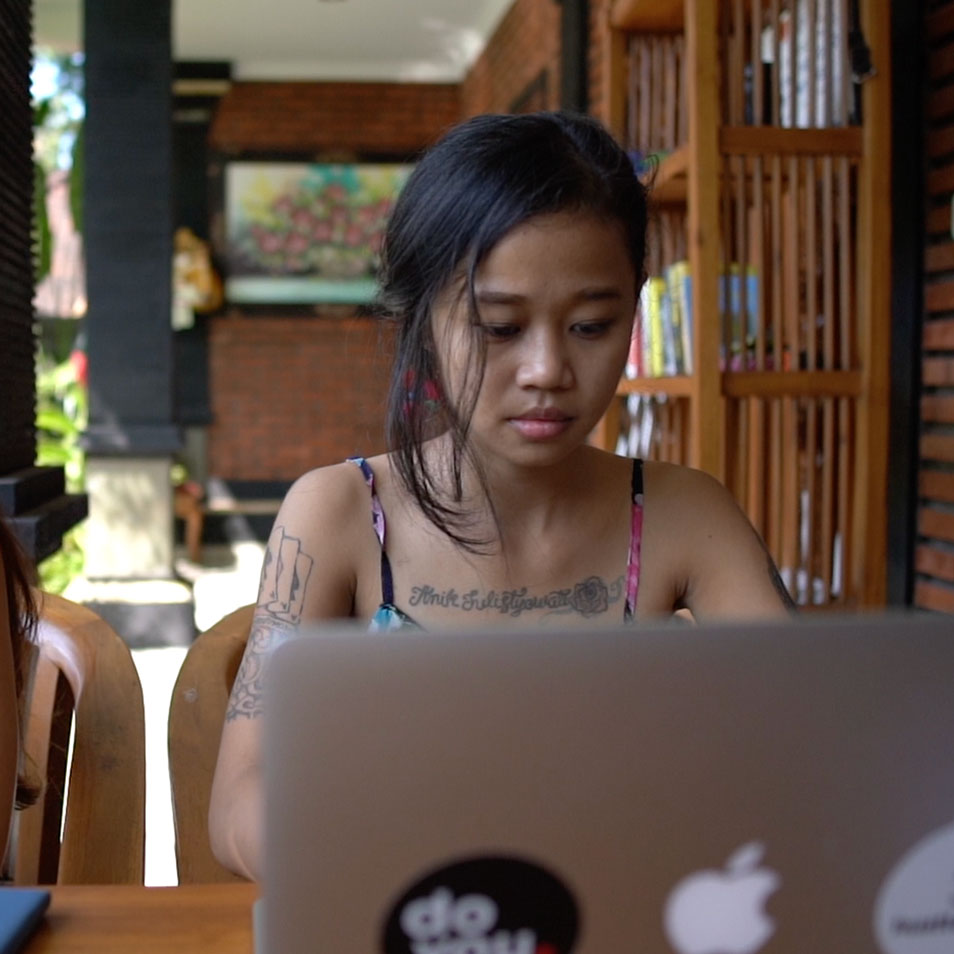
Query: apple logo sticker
[[723, 912], [483, 905], [914, 910]]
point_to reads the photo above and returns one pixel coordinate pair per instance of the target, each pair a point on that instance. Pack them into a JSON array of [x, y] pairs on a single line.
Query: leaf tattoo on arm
[[246, 698]]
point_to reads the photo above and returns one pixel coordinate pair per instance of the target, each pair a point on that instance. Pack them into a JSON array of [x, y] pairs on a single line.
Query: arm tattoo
[[775, 577], [285, 574], [779, 584], [588, 598], [246, 699]]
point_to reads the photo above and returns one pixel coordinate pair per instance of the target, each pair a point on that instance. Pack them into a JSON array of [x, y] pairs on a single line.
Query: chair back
[[196, 716], [9, 718], [83, 678]]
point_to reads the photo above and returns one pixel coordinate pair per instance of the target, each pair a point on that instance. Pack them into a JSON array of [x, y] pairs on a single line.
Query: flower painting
[[306, 232]]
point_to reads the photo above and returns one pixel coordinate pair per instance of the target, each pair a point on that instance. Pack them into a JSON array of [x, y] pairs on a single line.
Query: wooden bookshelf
[[794, 210], [651, 16], [768, 140], [776, 384], [668, 182], [675, 385]]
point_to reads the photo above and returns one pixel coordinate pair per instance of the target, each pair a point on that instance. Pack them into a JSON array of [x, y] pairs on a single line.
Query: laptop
[[751, 789]]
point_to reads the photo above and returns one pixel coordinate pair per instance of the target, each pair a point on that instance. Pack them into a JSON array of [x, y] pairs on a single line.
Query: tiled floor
[[228, 580]]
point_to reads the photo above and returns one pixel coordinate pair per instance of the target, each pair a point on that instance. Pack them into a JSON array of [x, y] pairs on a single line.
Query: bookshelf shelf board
[[678, 385], [660, 16], [669, 183], [770, 140], [771, 384]]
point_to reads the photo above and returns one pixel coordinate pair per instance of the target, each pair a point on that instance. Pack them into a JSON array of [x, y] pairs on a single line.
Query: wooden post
[[702, 88], [873, 270]]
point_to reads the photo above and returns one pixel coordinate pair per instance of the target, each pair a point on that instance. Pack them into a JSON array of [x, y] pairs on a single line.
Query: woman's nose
[[545, 363]]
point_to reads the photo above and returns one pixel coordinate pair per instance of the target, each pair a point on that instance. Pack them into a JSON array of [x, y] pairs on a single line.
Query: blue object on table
[[21, 910]]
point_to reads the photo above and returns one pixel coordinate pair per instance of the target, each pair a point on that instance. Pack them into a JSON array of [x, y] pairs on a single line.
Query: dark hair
[[18, 579], [481, 180]]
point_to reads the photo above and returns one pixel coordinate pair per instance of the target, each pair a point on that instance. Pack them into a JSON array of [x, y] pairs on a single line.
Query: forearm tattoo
[[285, 573], [246, 699], [588, 598]]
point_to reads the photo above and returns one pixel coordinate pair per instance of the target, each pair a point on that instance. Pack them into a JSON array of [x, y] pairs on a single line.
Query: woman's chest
[[556, 582]]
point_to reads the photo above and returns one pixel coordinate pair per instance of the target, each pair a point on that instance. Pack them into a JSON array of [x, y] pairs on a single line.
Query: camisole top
[[388, 616]]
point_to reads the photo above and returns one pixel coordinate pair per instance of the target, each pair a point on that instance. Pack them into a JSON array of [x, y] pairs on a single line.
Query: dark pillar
[[128, 226], [908, 231], [132, 436]]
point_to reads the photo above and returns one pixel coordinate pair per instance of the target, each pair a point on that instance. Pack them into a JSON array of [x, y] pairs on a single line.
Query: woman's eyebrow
[[490, 296], [601, 293]]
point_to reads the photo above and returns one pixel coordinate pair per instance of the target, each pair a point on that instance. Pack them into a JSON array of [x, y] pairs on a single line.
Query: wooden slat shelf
[[668, 185], [771, 140], [769, 384], [651, 16], [785, 229], [678, 385], [766, 384]]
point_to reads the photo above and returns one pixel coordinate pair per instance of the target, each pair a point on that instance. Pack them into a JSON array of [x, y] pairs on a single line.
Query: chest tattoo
[[589, 597]]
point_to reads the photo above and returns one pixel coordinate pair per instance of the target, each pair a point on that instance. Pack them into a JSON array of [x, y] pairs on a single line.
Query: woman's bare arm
[[723, 568], [307, 574]]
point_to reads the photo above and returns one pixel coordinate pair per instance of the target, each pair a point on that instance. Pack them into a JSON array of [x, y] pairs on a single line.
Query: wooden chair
[[84, 678], [196, 717]]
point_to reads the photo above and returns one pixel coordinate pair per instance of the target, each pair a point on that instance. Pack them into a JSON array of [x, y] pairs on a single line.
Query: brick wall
[[599, 60], [292, 393], [289, 393], [306, 118], [526, 42]]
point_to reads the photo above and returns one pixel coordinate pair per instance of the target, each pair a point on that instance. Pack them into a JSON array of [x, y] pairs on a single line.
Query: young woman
[[512, 266]]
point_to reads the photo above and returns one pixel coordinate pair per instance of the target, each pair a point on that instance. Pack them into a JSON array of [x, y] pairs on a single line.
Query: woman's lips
[[541, 425]]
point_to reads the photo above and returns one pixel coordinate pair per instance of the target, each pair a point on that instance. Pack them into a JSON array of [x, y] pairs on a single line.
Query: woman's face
[[556, 298]]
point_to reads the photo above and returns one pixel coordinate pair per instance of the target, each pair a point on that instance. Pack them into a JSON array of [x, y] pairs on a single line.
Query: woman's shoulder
[[680, 486], [328, 496], [692, 513], [691, 506]]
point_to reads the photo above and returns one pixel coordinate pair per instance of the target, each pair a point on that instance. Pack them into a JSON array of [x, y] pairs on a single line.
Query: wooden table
[[109, 919]]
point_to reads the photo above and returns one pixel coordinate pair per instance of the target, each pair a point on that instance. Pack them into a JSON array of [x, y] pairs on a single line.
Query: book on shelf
[[651, 305], [663, 330], [661, 345], [679, 287], [739, 310], [816, 85], [663, 327], [634, 360], [638, 425]]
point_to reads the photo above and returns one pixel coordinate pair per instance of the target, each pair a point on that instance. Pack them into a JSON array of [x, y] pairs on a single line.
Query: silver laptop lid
[[716, 790]]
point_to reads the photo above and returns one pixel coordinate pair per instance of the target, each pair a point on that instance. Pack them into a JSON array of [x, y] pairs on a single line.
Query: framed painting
[[305, 233]]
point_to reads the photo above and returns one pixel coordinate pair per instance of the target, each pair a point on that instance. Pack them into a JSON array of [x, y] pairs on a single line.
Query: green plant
[[62, 413], [58, 142]]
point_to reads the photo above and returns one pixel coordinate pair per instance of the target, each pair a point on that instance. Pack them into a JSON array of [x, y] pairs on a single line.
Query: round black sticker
[[486, 905]]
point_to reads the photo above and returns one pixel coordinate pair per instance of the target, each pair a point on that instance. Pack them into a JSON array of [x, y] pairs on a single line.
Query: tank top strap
[[635, 542], [377, 520]]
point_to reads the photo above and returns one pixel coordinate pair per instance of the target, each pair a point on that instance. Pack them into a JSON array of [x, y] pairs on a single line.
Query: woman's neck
[[524, 500]]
